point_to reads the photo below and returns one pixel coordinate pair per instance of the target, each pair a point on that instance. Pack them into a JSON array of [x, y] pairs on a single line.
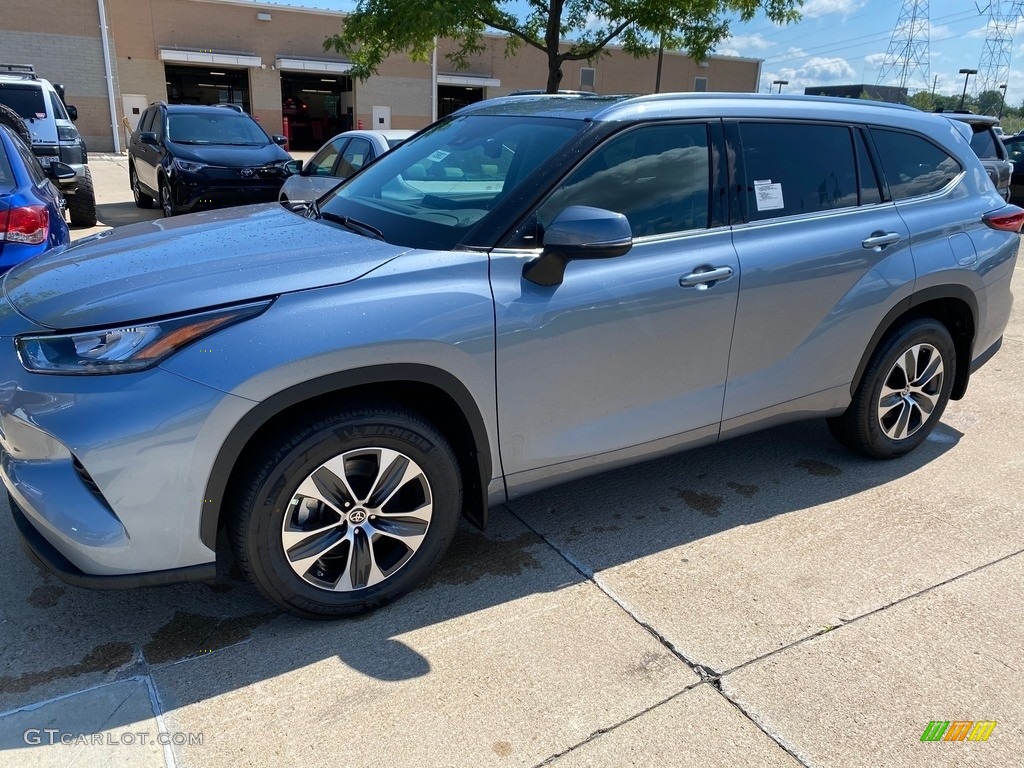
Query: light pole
[[780, 83], [1002, 99], [967, 76]]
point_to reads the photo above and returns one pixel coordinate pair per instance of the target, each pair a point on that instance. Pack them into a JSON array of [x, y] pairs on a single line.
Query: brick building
[[269, 59]]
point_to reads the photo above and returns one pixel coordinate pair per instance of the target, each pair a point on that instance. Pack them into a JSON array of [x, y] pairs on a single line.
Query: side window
[[913, 165], [157, 125], [983, 142], [57, 107], [322, 163], [657, 176], [796, 168], [146, 121], [357, 154]]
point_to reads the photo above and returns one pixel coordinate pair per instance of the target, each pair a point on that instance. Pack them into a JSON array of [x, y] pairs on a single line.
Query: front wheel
[[903, 392], [347, 511], [166, 198], [142, 200]]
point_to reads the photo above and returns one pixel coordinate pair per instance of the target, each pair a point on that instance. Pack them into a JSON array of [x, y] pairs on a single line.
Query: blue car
[[31, 208]]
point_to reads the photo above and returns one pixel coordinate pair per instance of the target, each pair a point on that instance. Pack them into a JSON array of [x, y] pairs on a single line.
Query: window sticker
[[438, 156], [768, 195]]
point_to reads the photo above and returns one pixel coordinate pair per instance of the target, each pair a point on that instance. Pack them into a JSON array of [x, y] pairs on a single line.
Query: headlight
[[67, 133], [189, 166], [128, 349]]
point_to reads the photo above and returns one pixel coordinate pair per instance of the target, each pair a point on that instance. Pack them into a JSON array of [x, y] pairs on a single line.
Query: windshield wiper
[[360, 228]]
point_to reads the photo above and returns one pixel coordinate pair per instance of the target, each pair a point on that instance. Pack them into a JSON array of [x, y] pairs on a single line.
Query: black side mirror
[[579, 232], [148, 137], [59, 171], [72, 112], [293, 167], [281, 141]]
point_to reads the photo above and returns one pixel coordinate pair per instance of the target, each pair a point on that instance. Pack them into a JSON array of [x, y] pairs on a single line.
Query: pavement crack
[[784, 745], [703, 672]]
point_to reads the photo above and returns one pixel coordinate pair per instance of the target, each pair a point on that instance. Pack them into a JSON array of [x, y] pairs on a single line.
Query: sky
[[845, 42]]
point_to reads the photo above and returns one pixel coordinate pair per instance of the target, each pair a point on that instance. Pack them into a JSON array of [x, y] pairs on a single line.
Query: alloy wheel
[[911, 391]]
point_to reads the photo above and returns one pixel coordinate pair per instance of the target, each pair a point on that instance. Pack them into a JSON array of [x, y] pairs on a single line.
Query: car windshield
[[26, 100], [230, 128], [430, 191]]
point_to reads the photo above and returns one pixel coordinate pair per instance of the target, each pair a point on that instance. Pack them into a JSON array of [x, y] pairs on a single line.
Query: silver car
[[336, 160], [534, 289]]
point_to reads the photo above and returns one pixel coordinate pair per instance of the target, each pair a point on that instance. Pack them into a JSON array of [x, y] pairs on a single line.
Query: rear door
[[823, 257]]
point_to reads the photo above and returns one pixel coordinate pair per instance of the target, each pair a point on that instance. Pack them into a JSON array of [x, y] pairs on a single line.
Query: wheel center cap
[[906, 391], [357, 516]]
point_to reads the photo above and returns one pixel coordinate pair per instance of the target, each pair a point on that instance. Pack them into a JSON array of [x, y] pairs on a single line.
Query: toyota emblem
[[247, 172]]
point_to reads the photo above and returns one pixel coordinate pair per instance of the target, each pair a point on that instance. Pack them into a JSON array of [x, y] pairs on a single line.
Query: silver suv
[[531, 290], [51, 134]]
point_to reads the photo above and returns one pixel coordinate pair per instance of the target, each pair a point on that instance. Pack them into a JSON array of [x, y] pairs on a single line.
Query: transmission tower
[[908, 55], [994, 68]]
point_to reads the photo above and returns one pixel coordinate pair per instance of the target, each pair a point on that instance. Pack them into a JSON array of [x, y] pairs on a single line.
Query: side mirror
[[59, 171], [293, 167], [579, 232], [148, 137], [281, 141], [72, 112]]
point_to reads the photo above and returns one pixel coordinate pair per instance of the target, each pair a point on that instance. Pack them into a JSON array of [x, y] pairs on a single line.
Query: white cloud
[[816, 71], [874, 59], [812, 9], [827, 68], [755, 42]]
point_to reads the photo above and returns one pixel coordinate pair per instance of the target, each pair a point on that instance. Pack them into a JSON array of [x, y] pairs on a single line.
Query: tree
[[378, 28], [988, 102], [923, 100]]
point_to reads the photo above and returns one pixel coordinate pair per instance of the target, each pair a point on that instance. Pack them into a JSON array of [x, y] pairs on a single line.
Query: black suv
[[192, 158]]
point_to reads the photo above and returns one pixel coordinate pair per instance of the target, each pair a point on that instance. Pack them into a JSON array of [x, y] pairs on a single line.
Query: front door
[[627, 356]]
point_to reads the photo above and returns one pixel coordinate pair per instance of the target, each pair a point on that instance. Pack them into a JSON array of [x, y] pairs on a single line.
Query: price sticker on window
[[768, 195]]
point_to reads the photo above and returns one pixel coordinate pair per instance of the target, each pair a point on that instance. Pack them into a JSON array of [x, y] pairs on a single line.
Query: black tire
[[262, 511], [142, 200], [13, 120], [872, 427], [167, 198], [82, 204]]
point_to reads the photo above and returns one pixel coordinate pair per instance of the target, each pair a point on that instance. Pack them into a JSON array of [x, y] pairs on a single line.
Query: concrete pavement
[[770, 601]]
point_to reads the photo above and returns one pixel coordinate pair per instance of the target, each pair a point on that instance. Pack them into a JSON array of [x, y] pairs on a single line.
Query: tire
[[82, 204], [13, 120], [889, 415], [360, 553], [142, 200], [166, 198]]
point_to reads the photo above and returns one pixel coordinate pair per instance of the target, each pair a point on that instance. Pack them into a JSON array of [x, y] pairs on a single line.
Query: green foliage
[[379, 28], [922, 100], [987, 102]]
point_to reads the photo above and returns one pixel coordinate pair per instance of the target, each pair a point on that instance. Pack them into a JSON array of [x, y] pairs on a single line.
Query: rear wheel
[[166, 198], [347, 511], [142, 200], [903, 392]]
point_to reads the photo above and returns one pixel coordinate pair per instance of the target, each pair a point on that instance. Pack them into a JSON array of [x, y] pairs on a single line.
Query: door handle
[[880, 240], [704, 277]]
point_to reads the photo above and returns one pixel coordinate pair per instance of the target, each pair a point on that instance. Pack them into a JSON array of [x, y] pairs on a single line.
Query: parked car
[[1015, 154], [191, 158], [338, 159], [987, 145], [31, 207], [534, 289], [51, 134]]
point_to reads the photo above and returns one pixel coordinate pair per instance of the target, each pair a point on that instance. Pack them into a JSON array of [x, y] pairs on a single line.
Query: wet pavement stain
[[191, 634], [45, 596], [648, 665], [605, 528], [502, 748], [102, 658], [705, 503], [818, 468], [473, 556], [744, 490]]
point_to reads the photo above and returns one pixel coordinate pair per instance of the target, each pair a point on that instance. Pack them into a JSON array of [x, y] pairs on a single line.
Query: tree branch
[[511, 30], [596, 48]]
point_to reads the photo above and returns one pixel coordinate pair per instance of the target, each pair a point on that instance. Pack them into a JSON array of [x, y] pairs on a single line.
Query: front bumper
[[107, 473], [222, 188]]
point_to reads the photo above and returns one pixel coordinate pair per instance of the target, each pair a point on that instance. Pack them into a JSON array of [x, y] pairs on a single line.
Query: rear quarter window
[[912, 165], [984, 143]]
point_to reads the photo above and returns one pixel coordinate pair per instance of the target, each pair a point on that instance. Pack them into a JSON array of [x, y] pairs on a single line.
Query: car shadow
[[62, 639], [120, 214]]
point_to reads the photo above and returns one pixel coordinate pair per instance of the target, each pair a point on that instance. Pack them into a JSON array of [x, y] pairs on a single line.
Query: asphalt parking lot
[[769, 601]]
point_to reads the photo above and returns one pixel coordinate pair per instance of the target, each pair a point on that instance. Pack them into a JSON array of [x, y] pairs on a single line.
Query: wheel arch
[[432, 392], [955, 306]]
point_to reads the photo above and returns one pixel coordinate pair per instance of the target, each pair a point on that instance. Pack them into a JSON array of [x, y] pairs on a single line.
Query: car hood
[[231, 157], [173, 266]]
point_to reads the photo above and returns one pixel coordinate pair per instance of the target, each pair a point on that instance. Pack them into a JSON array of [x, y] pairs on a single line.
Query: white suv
[[51, 133]]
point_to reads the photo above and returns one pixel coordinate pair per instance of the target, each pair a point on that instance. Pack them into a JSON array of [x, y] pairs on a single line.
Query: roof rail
[[26, 70], [158, 103]]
